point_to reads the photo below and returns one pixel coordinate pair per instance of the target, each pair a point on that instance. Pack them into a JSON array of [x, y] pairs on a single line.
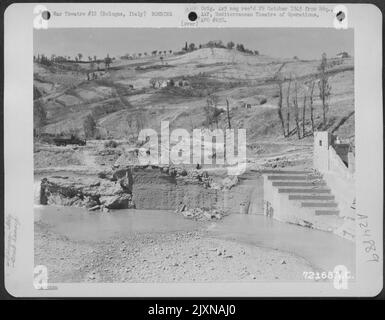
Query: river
[[321, 249]]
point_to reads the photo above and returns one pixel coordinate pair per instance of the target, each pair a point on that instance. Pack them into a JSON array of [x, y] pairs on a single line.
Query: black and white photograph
[[125, 119], [200, 156]]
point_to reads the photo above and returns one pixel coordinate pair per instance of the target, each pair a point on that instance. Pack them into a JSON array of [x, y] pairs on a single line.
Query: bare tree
[[128, 129], [207, 114], [216, 112], [107, 61], [39, 116], [288, 108], [228, 113], [311, 105], [324, 88], [295, 105], [89, 126], [192, 123], [211, 110], [153, 82], [140, 121], [279, 77], [280, 115], [304, 112]]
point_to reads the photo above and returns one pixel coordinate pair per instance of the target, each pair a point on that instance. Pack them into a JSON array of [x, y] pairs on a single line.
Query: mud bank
[[179, 256]]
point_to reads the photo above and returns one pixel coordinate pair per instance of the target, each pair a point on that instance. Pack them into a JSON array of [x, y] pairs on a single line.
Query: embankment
[[156, 188]]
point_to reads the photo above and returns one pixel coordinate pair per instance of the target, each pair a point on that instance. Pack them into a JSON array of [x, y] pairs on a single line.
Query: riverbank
[[190, 254]]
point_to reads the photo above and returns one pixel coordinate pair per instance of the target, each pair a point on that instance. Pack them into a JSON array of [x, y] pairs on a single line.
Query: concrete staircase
[[301, 197]]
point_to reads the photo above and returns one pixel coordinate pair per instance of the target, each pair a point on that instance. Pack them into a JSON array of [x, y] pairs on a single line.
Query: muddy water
[[80, 224], [323, 250]]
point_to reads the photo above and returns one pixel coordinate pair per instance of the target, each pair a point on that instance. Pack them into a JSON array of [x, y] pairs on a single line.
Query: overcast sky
[[307, 43]]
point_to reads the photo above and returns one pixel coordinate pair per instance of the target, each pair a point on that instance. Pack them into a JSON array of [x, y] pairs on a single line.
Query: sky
[[305, 43]]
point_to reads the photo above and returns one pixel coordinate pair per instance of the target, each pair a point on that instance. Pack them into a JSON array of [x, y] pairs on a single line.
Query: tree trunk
[[296, 113], [324, 89], [288, 109], [280, 109], [228, 113], [323, 112], [303, 115], [311, 107], [322, 96]]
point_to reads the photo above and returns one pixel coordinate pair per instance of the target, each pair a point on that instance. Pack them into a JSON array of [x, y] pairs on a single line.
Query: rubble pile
[[200, 214], [110, 192]]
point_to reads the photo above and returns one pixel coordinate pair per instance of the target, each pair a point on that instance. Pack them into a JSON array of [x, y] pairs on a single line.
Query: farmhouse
[[181, 83], [343, 55]]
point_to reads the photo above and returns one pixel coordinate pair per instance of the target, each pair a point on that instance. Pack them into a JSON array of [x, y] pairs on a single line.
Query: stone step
[[298, 183], [327, 212], [310, 197], [289, 177], [303, 190], [319, 204]]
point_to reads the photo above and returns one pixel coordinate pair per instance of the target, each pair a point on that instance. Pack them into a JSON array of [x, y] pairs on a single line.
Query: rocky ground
[[161, 257]]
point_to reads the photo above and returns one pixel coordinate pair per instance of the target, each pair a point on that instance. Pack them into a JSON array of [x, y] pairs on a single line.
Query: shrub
[[111, 144], [89, 126], [102, 175]]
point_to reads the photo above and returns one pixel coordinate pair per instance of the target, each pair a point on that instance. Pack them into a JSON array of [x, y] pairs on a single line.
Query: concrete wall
[[336, 174], [322, 141], [167, 196], [280, 207], [352, 163], [273, 203], [153, 189], [338, 177], [341, 181]]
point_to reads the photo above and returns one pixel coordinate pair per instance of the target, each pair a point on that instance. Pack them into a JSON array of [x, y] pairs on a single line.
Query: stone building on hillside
[[342, 55]]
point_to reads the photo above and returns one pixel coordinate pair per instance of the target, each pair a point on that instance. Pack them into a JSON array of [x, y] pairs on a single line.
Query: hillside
[[137, 89]]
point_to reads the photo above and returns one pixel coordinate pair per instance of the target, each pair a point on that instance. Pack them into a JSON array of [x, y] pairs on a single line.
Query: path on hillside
[[88, 159]]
